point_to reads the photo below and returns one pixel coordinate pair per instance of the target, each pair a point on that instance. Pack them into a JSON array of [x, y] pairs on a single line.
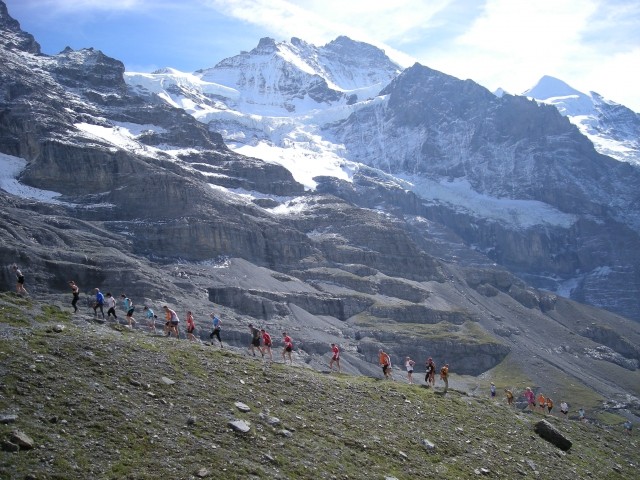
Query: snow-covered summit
[[548, 87], [271, 102], [567, 100], [296, 77], [613, 128], [356, 65]]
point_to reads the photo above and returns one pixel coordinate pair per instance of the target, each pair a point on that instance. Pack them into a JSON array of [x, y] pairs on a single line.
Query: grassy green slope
[[93, 399]]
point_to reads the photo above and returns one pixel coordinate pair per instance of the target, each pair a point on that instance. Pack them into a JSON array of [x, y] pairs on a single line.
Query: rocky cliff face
[[435, 126], [14, 37], [513, 179]]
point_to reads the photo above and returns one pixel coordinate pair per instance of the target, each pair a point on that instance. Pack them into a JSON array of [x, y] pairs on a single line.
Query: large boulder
[[552, 435]]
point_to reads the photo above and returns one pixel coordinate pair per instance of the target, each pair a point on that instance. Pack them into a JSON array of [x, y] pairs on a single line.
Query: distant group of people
[[384, 359], [261, 340], [172, 321], [543, 402]]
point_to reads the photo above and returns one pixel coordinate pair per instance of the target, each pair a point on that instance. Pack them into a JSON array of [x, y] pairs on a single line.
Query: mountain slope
[[513, 179], [453, 140], [134, 394], [151, 202]]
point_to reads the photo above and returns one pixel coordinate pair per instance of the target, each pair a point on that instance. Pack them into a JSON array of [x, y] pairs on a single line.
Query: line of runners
[[430, 369], [261, 340], [172, 320]]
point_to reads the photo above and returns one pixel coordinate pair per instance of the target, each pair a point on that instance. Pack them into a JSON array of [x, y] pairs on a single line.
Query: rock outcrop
[[552, 435]]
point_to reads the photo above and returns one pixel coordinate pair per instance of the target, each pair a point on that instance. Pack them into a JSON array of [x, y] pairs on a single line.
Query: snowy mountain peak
[[166, 71], [549, 87], [280, 78], [500, 92], [266, 45], [614, 129]]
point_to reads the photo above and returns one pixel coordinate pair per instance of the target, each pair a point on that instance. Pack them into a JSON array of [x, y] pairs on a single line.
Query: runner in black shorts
[[255, 339]]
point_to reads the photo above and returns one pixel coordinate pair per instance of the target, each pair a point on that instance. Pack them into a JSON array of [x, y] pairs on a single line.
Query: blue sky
[[590, 44]]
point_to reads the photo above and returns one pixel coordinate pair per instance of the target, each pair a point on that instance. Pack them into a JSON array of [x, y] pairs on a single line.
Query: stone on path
[[239, 426], [428, 445], [8, 418], [552, 435], [24, 441]]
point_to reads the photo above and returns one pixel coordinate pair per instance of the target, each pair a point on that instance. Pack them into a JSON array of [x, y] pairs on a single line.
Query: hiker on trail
[[266, 344], [75, 291], [151, 318], [549, 404], [531, 398], [191, 326], [19, 281], [628, 427], [430, 375], [110, 302], [581, 415], [444, 376], [335, 357], [255, 340], [172, 321], [385, 361], [493, 390], [564, 408], [509, 395], [408, 363], [216, 325], [288, 347], [129, 308], [98, 303], [542, 402]]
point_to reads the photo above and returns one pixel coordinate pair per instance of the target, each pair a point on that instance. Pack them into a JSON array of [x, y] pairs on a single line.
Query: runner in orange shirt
[[385, 361]]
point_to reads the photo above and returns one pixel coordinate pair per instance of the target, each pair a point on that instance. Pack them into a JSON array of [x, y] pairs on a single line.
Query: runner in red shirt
[[266, 344], [335, 357], [288, 347], [191, 326]]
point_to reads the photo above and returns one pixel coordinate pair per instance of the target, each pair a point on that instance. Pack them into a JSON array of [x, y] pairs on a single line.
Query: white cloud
[[321, 21], [615, 77], [515, 42], [318, 22]]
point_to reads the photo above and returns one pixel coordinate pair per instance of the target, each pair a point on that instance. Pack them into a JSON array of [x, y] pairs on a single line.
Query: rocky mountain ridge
[[512, 178], [153, 202], [613, 128]]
